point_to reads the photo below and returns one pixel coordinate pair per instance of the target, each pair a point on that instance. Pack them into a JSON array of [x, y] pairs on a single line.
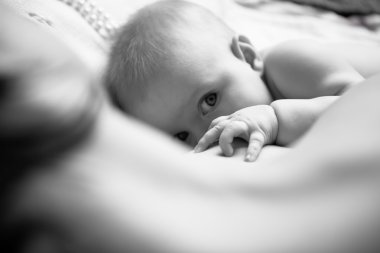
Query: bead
[[95, 16]]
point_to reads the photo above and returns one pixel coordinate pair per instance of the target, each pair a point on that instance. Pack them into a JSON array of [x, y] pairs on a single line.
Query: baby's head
[[177, 67]]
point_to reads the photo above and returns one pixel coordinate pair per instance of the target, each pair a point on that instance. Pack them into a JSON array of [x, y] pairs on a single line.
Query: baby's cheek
[[227, 107], [193, 141]]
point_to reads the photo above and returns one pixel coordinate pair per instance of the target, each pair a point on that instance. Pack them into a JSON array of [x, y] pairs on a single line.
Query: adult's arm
[[320, 196]]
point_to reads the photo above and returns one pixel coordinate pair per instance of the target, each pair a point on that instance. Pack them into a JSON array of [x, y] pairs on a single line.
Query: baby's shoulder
[[299, 54], [287, 64], [309, 68], [294, 51]]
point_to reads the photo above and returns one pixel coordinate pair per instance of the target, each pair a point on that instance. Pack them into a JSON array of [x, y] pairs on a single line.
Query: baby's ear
[[243, 49]]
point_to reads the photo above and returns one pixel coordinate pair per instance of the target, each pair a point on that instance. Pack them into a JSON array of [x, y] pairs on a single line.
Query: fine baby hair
[[151, 37]]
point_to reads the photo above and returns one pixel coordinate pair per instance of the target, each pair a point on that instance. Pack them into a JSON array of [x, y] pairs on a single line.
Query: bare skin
[[176, 202], [118, 192], [227, 97], [212, 85]]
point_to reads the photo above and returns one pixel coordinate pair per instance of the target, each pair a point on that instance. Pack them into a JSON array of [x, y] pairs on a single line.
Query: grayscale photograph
[[190, 126]]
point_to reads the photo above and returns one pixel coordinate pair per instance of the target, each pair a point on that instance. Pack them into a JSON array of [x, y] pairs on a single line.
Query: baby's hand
[[256, 124]]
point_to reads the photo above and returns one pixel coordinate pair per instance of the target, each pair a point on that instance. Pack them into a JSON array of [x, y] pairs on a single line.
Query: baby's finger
[[256, 142], [232, 130], [217, 121], [208, 138]]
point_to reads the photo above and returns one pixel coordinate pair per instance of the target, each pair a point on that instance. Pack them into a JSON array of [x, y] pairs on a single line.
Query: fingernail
[[249, 158], [197, 149]]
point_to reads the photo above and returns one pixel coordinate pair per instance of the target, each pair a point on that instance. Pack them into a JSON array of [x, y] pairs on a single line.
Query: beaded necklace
[[95, 17]]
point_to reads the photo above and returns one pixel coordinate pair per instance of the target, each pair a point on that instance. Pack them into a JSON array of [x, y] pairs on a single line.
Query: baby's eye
[[208, 102], [182, 136]]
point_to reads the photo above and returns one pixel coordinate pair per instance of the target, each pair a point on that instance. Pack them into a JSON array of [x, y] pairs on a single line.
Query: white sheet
[[269, 21], [276, 21]]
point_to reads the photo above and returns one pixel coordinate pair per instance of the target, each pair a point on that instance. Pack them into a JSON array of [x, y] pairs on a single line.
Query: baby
[[178, 67]]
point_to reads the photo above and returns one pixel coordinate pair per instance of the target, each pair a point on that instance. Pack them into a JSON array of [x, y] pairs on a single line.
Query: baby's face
[[198, 87]]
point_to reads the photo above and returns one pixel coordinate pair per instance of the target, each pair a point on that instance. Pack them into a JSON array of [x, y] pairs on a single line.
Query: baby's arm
[[296, 116], [302, 70]]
